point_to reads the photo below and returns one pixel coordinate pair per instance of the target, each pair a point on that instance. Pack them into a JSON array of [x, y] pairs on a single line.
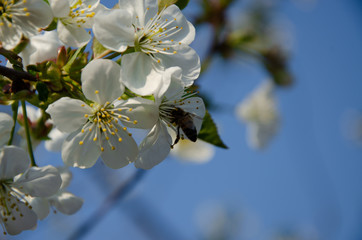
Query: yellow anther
[[174, 52], [124, 128], [25, 9], [95, 139], [102, 109], [96, 91], [119, 139], [89, 6], [112, 112], [158, 60], [107, 138], [127, 118], [119, 98], [102, 149], [82, 105], [86, 115], [92, 104], [112, 133], [120, 109], [10, 25], [130, 109], [82, 12], [81, 143], [82, 130], [95, 120], [135, 122], [104, 130], [113, 148]]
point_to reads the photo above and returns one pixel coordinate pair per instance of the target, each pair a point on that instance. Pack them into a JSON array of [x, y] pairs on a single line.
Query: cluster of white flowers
[[156, 70]]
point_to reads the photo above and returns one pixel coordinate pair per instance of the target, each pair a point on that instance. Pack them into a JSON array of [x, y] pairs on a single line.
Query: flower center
[[79, 14], [156, 35], [8, 8], [103, 123], [10, 200]]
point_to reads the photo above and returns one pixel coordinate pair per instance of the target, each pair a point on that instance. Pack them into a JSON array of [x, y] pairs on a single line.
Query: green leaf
[[43, 91], [165, 3], [182, 3], [208, 132]]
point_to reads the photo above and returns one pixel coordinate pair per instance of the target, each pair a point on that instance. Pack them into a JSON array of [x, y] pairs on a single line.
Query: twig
[[120, 192]]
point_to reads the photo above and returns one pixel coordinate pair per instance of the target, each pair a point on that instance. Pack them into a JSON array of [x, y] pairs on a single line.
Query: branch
[[120, 192], [16, 75]]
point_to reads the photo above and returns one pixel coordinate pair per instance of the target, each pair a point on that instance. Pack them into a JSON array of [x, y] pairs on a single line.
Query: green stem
[[27, 131], [14, 107]]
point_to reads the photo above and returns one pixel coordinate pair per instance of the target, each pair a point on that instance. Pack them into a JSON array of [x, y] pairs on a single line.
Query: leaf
[[182, 3], [208, 132], [165, 3]]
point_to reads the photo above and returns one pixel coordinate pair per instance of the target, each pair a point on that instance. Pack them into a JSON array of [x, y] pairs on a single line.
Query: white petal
[[139, 73], [82, 156], [114, 30], [169, 74], [103, 76], [124, 153], [187, 34], [138, 8], [144, 111], [41, 47], [9, 36], [56, 140], [33, 113], [196, 107], [68, 114], [6, 123], [13, 161], [26, 222], [73, 36], [40, 206], [66, 176], [60, 8], [66, 203], [196, 152], [155, 147], [39, 181], [186, 58]]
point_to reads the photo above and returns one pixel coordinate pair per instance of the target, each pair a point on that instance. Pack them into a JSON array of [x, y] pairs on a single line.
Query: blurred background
[[298, 178]]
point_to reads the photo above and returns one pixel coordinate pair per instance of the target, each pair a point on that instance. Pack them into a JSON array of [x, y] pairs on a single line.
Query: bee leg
[[177, 137]]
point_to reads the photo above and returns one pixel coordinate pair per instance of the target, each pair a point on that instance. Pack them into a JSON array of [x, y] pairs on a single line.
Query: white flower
[[260, 113], [63, 201], [56, 140], [18, 181], [73, 17], [40, 48], [94, 126], [6, 123], [22, 17], [179, 111], [194, 152], [160, 39]]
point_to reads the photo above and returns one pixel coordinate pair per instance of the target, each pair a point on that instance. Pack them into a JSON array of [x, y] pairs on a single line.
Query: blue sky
[[309, 178]]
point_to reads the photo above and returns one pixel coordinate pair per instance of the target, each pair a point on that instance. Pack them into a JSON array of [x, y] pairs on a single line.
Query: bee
[[184, 120]]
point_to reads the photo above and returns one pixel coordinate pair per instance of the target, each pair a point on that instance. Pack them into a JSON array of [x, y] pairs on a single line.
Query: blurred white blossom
[[259, 112]]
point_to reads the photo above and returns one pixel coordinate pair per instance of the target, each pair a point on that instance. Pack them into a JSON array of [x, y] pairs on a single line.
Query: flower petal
[[186, 58], [114, 30], [140, 74], [39, 181], [60, 8], [66, 202], [101, 81], [6, 123], [56, 140], [13, 161], [142, 10], [68, 114], [195, 152], [25, 222], [82, 156], [143, 111], [40, 206], [155, 147], [186, 34], [73, 36], [125, 151]]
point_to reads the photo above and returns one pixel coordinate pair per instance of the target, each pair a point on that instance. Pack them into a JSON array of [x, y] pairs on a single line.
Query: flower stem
[[27, 131], [14, 107]]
